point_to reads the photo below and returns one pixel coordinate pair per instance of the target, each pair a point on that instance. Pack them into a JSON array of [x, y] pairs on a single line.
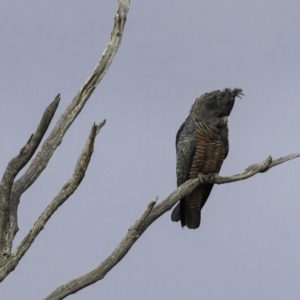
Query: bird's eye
[[216, 112]]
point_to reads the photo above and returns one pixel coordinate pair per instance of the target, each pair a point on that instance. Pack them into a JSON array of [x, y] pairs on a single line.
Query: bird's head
[[215, 106]]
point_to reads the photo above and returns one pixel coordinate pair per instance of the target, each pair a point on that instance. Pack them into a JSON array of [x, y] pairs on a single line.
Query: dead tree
[[11, 190]]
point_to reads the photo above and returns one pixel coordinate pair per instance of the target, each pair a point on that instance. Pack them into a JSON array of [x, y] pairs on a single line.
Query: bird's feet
[[206, 178]]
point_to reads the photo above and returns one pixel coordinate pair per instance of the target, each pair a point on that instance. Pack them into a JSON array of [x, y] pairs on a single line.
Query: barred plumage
[[201, 147]]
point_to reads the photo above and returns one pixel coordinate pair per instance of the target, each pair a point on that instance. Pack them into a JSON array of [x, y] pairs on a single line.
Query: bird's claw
[[206, 177]]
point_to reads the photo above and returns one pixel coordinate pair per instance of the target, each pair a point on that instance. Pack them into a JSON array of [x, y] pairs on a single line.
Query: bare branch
[[97, 274], [55, 138], [281, 160], [152, 213], [67, 190], [186, 188], [12, 170]]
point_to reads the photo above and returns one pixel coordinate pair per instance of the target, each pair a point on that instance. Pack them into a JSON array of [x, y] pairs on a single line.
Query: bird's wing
[[185, 148], [226, 152]]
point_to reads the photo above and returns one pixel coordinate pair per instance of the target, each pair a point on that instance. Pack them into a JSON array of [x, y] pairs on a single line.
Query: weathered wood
[[10, 191], [8, 215], [67, 190], [151, 214]]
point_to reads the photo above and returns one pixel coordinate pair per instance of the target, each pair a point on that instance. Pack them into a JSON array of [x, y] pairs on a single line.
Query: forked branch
[[7, 217], [67, 190], [152, 213], [10, 191], [55, 137]]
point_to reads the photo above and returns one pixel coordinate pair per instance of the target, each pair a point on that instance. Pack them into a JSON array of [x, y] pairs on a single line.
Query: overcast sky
[[248, 244]]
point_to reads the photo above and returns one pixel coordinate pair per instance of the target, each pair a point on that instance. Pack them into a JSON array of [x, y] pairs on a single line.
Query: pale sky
[[248, 244]]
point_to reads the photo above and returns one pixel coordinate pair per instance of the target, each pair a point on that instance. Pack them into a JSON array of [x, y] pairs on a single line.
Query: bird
[[201, 147]]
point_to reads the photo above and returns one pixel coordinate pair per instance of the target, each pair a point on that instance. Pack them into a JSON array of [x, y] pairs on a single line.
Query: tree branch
[[74, 108], [97, 274], [7, 212], [186, 188], [67, 190], [152, 213], [55, 138]]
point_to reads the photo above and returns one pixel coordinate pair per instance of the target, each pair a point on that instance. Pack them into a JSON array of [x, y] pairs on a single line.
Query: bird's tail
[[189, 217], [192, 218], [175, 216]]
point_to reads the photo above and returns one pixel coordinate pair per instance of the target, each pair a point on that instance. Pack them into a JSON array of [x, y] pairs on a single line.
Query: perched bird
[[201, 147]]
